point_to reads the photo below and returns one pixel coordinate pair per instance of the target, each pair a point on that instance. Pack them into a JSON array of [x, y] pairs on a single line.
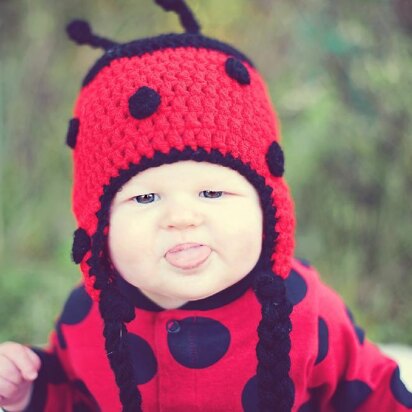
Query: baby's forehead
[[189, 171]]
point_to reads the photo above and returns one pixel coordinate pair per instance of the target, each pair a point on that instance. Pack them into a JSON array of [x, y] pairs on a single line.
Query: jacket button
[[173, 326]]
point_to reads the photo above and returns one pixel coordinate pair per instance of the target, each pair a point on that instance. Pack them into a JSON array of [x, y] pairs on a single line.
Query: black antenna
[[187, 19], [80, 32]]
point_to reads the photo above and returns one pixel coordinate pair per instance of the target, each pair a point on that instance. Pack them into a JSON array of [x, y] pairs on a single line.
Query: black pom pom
[[80, 31], [144, 102], [72, 132], [237, 71], [81, 245], [275, 160]]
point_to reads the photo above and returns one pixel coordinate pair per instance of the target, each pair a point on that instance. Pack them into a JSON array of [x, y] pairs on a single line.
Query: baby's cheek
[[246, 247], [253, 240]]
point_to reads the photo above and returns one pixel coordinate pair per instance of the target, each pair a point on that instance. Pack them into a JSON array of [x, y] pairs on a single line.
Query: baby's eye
[[210, 194], [145, 199], [150, 197]]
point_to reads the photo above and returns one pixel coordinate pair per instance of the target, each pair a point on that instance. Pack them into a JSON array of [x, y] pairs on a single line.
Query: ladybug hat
[[161, 100]]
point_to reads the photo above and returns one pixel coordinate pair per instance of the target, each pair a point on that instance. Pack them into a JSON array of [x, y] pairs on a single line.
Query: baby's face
[[185, 202]]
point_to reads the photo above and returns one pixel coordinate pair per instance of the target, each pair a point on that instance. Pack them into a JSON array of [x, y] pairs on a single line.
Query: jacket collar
[[222, 298]]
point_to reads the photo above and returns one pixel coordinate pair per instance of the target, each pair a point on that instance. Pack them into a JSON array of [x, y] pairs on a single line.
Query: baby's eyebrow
[[206, 182]]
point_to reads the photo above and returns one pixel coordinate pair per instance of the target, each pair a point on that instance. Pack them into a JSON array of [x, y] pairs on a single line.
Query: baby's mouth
[[190, 257]]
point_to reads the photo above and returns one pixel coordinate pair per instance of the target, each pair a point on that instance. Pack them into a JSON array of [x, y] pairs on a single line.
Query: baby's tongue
[[189, 258]]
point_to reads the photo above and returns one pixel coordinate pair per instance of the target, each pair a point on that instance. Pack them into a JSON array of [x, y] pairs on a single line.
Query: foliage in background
[[340, 76]]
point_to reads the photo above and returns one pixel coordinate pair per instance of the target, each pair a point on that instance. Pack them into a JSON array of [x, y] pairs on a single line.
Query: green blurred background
[[340, 75]]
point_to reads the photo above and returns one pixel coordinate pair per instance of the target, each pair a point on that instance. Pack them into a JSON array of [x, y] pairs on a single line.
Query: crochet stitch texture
[[201, 106]]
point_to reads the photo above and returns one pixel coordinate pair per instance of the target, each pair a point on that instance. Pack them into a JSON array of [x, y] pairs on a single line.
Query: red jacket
[[201, 357]]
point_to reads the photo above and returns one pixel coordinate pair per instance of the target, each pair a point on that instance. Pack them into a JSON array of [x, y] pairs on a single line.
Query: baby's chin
[[200, 296], [194, 299]]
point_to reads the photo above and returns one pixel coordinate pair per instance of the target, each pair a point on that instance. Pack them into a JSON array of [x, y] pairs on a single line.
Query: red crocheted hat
[[164, 99]]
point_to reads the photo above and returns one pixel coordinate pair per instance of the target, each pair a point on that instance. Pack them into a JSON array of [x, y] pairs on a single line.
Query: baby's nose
[[181, 216]]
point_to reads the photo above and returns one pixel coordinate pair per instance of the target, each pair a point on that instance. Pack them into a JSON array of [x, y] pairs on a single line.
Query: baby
[[191, 299]]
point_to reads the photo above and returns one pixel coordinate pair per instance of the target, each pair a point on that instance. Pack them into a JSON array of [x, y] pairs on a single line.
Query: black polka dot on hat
[[399, 391], [323, 340], [359, 332], [144, 102], [350, 395], [143, 359], [275, 160], [197, 342], [237, 71], [72, 132], [250, 395], [81, 245], [296, 287]]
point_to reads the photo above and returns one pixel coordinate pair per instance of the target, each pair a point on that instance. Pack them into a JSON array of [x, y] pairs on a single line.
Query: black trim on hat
[[164, 41], [99, 261]]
